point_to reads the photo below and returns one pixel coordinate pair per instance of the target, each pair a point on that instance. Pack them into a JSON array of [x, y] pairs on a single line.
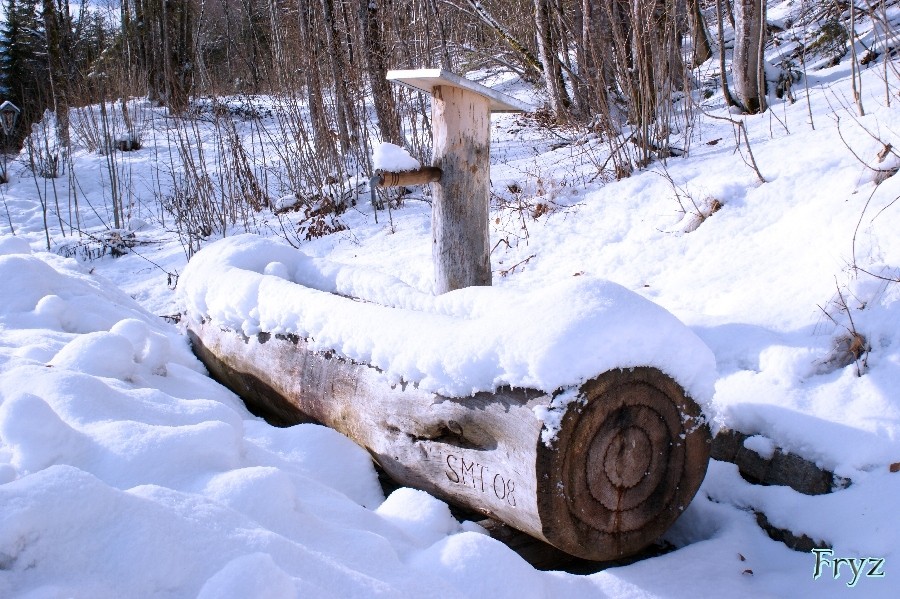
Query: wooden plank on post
[[425, 80]]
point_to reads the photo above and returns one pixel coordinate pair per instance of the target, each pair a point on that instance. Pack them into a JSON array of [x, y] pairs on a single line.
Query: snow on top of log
[[393, 158], [456, 344]]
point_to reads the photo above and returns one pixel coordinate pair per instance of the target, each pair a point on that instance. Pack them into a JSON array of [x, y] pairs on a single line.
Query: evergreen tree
[[23, 62]]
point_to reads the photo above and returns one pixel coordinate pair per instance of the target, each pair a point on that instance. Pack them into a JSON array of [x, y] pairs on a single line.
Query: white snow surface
[[126, 472], [761, 445], [391, 157], [456, 344]]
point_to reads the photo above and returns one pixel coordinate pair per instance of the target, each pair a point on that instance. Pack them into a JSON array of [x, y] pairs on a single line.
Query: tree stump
[[629, 454]]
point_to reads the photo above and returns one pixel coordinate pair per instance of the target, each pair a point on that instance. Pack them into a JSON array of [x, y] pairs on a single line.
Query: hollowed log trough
[[629, 454]]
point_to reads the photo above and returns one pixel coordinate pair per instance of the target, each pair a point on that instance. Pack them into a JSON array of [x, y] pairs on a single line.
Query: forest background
[[614, 68]]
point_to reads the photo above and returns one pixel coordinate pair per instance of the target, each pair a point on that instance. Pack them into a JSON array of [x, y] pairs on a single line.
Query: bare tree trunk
[[747, 65], [556, 91], [699, 35], [729, 10], [178, 43], [338, 70], [726, 93], [283, 79], [855, 77], [580, 88], [599, 66], [324, 140], [532, 64], [251, 46], [376, 61], [160, 39], [149, 30], [57, 57], [434, 16]]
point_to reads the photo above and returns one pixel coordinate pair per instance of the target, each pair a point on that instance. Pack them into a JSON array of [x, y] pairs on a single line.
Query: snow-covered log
[[562, 411], [571, 411], [603, 476]]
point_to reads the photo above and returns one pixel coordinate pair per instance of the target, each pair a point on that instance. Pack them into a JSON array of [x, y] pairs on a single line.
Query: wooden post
[[627, 459], [460, 125], [460, 122]]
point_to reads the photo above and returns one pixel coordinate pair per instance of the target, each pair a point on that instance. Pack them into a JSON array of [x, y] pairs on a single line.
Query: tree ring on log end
[[626, 462]]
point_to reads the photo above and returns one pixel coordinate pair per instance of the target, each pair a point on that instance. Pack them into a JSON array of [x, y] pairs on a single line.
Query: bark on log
[[628, 457], [781, 468]]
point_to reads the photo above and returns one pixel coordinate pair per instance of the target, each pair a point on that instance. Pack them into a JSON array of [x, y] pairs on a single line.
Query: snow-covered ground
[[126, 472]]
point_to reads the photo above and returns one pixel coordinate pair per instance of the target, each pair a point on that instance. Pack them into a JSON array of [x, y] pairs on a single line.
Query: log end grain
[[625, 463]]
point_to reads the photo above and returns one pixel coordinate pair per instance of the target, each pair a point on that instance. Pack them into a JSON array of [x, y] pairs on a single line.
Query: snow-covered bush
[[103, 128], [46, 153]]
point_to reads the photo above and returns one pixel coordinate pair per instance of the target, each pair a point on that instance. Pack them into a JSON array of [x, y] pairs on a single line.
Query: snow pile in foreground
[[126, 472], [456, 344]]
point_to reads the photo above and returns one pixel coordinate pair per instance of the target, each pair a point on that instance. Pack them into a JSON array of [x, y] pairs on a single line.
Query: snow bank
[[126, 472], [456, 344]]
